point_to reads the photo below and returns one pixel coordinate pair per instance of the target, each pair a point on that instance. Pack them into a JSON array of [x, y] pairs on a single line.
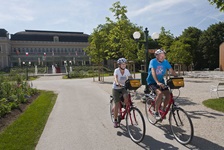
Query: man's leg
[[159, 96], [167, 98]]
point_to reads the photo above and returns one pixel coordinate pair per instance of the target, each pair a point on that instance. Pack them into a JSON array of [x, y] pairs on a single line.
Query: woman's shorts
[[117, 94]]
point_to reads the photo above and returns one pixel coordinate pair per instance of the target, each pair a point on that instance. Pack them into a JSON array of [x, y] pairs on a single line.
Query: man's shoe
[[157, 116]]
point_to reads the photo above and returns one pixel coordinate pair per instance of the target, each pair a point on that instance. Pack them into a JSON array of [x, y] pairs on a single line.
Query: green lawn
[[216, 104], [24, 133]]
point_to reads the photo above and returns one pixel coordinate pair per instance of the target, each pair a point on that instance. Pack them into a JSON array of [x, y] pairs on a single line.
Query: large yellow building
[[38, 47]]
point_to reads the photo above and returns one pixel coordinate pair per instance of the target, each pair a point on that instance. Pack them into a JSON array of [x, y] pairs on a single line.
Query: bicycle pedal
[[119, 119]]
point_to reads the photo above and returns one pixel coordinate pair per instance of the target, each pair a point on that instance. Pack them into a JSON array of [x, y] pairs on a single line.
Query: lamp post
[[137, 36], [28, 63], [26, 66], [70, 68]]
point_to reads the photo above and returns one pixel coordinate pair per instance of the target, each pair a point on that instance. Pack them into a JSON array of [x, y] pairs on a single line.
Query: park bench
[[217, 88]]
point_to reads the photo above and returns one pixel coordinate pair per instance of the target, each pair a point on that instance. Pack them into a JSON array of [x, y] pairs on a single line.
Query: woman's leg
[[116, 95]]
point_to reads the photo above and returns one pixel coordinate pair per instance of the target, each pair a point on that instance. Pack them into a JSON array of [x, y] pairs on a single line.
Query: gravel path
[[208, 124]]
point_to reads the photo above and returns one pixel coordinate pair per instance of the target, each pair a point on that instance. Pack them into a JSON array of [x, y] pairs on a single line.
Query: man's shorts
[[117, 94], [154, 87]]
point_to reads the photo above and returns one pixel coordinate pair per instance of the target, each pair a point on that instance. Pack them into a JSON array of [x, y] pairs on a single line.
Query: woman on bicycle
[[121, 74], [155, 80]]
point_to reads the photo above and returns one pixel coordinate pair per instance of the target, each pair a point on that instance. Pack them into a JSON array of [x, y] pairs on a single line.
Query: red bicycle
[[180, 122], [135, 122]]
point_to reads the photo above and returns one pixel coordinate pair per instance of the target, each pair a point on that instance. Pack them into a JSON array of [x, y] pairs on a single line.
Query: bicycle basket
[[176, 82], [132, 84]]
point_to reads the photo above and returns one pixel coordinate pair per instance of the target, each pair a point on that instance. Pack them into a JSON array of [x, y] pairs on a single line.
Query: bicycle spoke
[[150, 111], [135, 125], [181, 126], [112, 110]]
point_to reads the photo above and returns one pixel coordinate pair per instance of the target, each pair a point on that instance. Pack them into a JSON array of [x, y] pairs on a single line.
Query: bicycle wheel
[[135, 124], [150, 111], [112, 109], [181, 125]]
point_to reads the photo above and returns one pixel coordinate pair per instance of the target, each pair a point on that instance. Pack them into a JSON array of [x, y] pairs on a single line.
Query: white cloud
[[85, 15]]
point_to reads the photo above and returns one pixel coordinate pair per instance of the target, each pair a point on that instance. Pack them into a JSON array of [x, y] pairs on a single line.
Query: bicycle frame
[[127, 108], [170, 104], [180, 123], [135, 123]]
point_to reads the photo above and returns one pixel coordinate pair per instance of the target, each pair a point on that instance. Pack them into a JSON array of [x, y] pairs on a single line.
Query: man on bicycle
[[121, 74], [155, 80]]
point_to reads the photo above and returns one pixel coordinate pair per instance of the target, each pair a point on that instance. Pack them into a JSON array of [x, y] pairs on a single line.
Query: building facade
[[44, 48], [4, 48]]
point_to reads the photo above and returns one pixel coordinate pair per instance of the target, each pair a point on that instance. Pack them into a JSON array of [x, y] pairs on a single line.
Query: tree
[[191, 36], [179, 53], [115, 37], [120, 40], [165, 39], [219, 4], [209, 43]]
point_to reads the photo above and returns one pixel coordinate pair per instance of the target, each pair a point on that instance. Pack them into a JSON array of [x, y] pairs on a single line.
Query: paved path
[[80, 118]]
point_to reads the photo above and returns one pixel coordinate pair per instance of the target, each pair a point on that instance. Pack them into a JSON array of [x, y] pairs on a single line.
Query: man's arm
[[173, 72], [155, 77]]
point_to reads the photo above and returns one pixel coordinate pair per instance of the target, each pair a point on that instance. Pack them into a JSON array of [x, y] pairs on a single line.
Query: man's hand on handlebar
[[161, 85]]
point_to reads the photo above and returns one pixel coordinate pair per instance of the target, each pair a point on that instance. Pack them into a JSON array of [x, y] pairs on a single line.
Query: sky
[[85, 15]]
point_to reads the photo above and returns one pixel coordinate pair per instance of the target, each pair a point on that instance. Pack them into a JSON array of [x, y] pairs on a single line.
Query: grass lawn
[[216, 104], [24, 133]]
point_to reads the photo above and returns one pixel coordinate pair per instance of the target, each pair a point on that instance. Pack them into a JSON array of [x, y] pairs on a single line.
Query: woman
[[121, 74]]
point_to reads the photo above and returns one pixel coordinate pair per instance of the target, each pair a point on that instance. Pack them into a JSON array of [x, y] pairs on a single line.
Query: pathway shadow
[[196, 81], [148, 142], [199, 114], [197, 143], [106, 82], [184, 101]]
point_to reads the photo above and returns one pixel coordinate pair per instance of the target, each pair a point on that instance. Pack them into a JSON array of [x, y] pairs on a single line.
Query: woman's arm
[[116, 79]]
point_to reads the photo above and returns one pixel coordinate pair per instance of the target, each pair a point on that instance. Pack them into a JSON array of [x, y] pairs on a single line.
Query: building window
[[56, 39]]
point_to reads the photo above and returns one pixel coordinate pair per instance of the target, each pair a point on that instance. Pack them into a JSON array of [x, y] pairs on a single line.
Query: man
[[155, 80]]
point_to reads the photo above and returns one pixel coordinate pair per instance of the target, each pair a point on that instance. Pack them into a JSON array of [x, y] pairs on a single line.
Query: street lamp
[[136, 36], [28, 63]]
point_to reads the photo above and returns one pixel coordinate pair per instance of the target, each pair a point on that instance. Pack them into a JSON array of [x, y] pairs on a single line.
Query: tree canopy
[[114, 39], [219, 4]]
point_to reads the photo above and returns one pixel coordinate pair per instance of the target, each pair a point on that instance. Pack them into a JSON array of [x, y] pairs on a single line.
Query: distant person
[[121, 74], [155, 80]]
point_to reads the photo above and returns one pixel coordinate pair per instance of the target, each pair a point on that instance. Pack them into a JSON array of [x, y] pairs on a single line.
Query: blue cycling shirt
[[160, 68]]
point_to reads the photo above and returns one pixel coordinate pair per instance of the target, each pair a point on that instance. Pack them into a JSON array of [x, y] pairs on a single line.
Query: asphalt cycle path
[[208, 123], [80, 119]]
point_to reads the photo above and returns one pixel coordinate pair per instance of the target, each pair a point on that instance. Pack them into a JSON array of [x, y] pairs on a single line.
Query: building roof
[[3, 33], [40, 35]]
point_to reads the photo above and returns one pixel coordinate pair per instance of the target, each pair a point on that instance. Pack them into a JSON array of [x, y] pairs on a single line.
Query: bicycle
[[180, 122], [135, 122]]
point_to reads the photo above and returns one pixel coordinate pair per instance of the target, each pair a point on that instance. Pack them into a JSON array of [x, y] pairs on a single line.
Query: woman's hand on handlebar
[[120, 85]]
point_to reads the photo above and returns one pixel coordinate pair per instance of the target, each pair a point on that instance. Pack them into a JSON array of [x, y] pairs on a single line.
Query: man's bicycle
[[135, 122], [180, 122]]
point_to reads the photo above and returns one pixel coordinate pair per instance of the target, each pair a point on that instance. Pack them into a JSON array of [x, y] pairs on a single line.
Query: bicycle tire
[[135, 124], [150, 111], [181, 125], [111, 109]]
